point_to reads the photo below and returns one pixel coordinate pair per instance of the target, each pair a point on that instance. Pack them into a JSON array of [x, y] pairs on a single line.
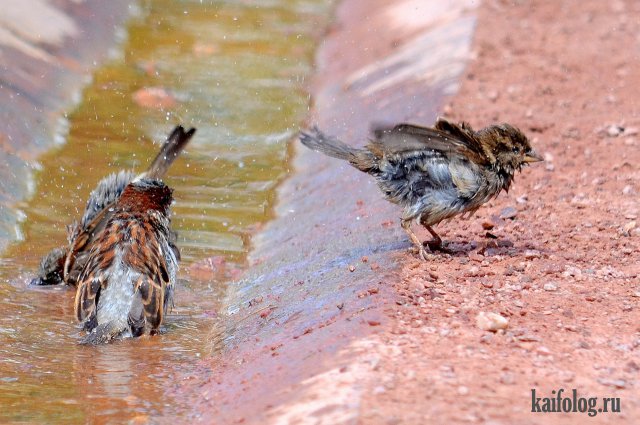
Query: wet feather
[[435, 173], [63, 265]]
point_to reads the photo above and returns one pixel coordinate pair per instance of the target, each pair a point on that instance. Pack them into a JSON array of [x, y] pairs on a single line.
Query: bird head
[[51, 267], [509, 147], [146, 194]]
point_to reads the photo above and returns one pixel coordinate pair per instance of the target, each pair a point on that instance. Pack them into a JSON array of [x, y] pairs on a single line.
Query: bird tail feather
[[103, 333], [175, 143], [316, 140]]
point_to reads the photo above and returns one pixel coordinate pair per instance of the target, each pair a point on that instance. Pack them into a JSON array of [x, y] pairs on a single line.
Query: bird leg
[[434, 244], [406, 225]]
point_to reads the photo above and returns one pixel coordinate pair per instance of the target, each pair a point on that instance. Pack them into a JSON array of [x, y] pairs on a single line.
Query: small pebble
[[542, 350], [379, 390], [614, 130], [550, 287], [530, 254], [507, 378], [617, 383], [487, 226], [462, 390], [508, 212], [629, 227], [491, 321], [566, 376]]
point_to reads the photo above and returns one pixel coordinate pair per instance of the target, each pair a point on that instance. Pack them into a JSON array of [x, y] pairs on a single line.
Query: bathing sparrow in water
[[127, 281], [63, 265], [435, 173]]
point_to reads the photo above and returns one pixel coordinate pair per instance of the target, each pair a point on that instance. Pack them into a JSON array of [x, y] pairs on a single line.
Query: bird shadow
[[490, 246]]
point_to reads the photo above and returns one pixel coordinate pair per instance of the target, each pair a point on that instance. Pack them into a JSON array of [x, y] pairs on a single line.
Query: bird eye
[[516, 149]]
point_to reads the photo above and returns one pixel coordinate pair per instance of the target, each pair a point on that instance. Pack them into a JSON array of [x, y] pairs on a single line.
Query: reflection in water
[[234, 69]]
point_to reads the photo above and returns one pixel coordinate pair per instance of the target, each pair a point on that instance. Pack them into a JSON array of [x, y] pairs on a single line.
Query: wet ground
[[556, 257], [335, 322], [322, 270], [562, 265], [236, 71]]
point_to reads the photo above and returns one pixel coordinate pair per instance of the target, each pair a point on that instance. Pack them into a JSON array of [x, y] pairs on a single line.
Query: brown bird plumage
[[127, 282], [435, 173], [63, 265]]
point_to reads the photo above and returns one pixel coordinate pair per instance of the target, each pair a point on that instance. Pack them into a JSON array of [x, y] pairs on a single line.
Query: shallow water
[[235, 70]]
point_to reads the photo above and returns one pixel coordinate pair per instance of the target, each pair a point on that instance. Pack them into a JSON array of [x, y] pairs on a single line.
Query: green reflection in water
[[236, 71]]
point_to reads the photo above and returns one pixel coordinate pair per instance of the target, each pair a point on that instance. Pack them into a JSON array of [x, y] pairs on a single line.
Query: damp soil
[[557, 256]]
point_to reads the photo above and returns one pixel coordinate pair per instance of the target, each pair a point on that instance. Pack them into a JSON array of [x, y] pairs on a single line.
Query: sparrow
[[127, 281], [434, 173], [63, 265]]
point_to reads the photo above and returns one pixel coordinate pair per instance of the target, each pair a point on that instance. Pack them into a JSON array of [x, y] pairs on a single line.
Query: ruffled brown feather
[[445, 137], [437, 172], [65, 266], [138, 239]]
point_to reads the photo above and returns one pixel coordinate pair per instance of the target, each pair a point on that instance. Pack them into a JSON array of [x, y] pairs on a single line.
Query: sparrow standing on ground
[[435, 173], [63, 265]]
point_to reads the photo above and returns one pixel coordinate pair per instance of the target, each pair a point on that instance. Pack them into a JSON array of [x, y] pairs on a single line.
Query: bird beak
[[532, 156]]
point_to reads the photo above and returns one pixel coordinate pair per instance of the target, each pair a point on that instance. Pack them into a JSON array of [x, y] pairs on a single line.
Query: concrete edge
[[316, 294]]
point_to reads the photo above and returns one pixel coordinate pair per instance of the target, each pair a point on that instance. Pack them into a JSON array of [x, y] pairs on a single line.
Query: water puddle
[[234, 69]]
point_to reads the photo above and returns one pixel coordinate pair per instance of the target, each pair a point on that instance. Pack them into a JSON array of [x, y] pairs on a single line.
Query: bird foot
[[423, 253]]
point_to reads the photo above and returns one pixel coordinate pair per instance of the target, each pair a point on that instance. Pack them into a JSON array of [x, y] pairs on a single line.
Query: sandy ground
[[557, 256], [339, 324]]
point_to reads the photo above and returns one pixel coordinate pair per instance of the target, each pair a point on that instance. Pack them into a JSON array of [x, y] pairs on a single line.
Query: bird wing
[[146, 256], [87, 296], [100, 206], [93, 278], [445, 137], [141, 251], [94, 275], [82, 240]]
